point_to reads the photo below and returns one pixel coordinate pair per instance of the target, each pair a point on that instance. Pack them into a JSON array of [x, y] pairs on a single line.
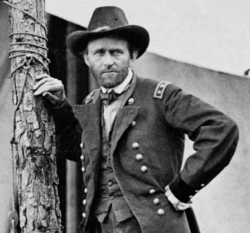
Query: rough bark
[[34, 131]]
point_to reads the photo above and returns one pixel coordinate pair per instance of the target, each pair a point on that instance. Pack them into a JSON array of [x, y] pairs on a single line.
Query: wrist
[[177, 204]]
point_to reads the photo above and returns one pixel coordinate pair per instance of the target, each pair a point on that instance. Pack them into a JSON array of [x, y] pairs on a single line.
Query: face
[[108, 60]]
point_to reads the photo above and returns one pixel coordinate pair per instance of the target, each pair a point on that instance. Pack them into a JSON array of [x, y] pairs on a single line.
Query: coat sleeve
[[68, 132], [215, 137]]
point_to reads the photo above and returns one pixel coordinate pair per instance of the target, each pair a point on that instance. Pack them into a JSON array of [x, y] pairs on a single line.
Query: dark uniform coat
[[147, 150]]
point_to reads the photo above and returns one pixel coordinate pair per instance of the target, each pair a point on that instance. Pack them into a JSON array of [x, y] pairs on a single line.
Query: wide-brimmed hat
[[107, 21]]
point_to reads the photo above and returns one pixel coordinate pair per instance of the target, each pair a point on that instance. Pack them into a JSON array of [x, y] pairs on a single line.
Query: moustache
[[108, 71]]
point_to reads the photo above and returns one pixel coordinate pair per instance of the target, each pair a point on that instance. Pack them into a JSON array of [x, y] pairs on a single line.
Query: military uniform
[[147, 150]]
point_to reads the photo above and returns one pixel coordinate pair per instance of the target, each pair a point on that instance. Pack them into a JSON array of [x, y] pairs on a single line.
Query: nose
[[108, 60]]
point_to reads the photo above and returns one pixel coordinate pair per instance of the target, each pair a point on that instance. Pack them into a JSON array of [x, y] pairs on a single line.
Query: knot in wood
[[28, 59]]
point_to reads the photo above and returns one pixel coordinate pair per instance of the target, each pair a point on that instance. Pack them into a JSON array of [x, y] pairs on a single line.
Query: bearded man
[[129, 135]]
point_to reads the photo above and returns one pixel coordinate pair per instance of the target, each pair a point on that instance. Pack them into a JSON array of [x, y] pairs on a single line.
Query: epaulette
[[160, 88], [89, 97]]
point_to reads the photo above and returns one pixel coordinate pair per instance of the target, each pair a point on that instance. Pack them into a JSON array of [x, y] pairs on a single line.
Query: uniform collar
[[121, 87]]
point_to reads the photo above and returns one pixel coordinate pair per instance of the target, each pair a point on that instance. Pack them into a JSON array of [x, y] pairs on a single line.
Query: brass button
[[84, 202], [85, 190], [110, 183], [81, 145], [161, 212], [152, 191], [139, 157], [135, 145], [131, 101], [202, 185], [84, 215], [82, 157], [156, 201], [133, 123], [196, 191], [190, 197], [144, 168], [83, 169]]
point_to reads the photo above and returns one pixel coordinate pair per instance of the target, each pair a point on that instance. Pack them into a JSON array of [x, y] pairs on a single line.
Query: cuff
[[179, 206], [59, 106], [181, 190], [63, 108]]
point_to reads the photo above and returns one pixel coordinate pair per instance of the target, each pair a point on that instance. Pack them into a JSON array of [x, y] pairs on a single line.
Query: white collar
[[121, 87]]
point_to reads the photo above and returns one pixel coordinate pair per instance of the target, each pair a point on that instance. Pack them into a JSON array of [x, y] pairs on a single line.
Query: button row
[[156, 202], [139, 157]]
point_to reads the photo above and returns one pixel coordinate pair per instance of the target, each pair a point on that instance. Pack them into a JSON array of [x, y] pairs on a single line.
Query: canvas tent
[[222, 207], [212, 34]]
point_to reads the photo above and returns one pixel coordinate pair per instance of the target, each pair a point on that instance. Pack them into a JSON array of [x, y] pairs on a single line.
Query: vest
[[109, 192]]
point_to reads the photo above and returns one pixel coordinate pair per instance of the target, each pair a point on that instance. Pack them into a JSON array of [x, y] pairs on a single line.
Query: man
[[131, 137]]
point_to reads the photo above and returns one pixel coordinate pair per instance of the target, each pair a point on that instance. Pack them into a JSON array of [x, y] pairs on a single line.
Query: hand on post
[[50, 88]]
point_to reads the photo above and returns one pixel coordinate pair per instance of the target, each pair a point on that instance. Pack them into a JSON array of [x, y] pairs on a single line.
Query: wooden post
[[34, 145]]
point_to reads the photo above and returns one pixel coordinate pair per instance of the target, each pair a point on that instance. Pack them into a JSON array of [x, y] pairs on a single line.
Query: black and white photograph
[[124, 116]]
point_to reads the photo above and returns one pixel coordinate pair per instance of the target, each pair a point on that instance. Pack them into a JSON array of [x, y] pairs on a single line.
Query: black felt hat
[[107, 21]]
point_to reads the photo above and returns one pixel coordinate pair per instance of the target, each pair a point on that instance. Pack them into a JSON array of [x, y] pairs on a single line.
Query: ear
[[85, 57], [134, 55]]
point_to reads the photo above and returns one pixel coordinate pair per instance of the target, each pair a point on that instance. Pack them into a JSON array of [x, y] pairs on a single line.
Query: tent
[[212, 34]]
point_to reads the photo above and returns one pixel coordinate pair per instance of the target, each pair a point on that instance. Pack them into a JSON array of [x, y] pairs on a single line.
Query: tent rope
[[31, 44], [24, 51], [28, 33], [28, 50]]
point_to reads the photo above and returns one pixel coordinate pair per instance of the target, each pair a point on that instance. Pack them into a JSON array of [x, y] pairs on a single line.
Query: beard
[[109, 78]]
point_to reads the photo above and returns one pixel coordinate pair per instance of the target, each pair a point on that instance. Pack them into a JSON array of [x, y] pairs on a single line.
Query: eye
[[99, 52], [117, 52]]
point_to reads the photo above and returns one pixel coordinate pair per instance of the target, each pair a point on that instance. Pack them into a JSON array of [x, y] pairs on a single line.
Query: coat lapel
[[124, 117], [89, 116]]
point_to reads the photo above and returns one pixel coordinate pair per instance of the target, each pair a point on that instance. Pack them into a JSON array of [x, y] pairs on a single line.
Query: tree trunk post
[[33, 143]]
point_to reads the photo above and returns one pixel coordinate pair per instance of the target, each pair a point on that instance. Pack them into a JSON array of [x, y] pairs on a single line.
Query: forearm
[[68, 132], [215, 137]]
